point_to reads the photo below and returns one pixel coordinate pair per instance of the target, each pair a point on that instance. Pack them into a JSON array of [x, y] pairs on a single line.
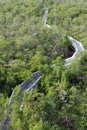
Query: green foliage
[[3, 103], [60, 100]]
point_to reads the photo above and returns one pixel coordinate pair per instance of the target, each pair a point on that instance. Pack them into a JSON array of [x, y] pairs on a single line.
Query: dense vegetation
[[60, 100]]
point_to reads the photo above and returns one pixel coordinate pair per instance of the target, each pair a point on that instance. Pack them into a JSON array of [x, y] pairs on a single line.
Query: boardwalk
[[78, 48], [27, 85], [44, 19]]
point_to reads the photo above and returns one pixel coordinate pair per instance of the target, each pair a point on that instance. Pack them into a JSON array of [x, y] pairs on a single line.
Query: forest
[[59, 100]]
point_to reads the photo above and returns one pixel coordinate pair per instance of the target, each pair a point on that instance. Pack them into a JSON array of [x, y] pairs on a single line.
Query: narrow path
[[76, 44], [44, 19], [27, 85], [78, 48]]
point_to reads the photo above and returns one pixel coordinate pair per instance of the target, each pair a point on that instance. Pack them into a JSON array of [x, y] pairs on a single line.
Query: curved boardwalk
[[78, 48]]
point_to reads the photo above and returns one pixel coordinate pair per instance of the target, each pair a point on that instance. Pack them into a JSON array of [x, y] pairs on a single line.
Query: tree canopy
[[59, 102]]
